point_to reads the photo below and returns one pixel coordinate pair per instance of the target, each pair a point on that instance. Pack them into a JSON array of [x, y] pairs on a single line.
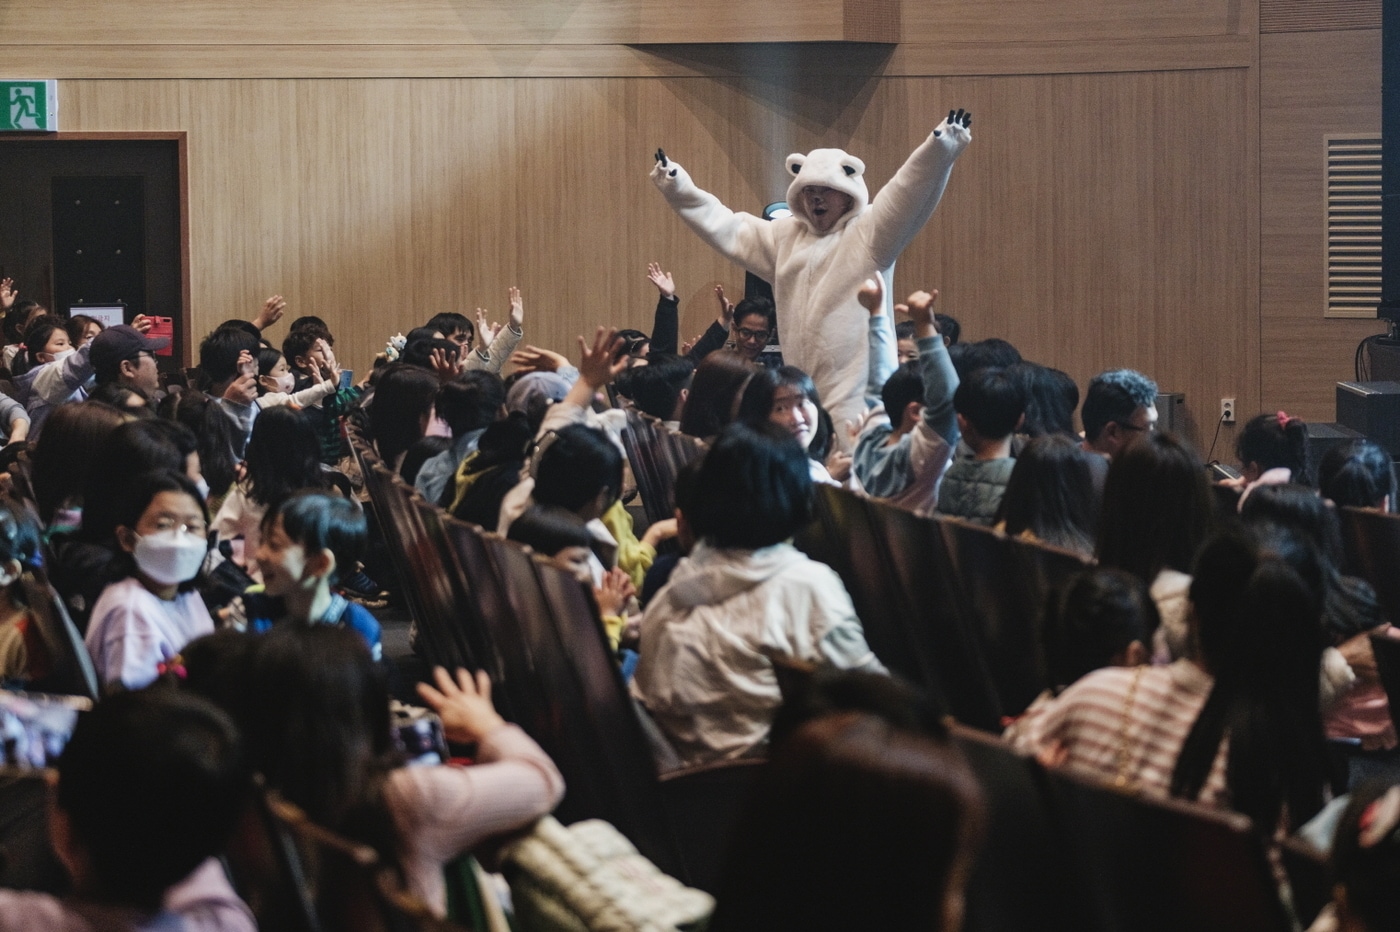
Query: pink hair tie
[[1283, 419]]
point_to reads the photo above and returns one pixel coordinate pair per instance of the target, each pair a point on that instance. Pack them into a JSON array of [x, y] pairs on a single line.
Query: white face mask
[[285, 382], [170, 557], [60, 355], [203, 488]]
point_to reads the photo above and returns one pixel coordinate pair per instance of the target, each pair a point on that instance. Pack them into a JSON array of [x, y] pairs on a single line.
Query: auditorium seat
[[939, 621], [1371, 543], [70, 666], [1165, 865], [1008, 609], [1022, 881], [656, 454]]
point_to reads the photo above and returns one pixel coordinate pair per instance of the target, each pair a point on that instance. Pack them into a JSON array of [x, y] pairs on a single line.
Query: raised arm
[[904, 205], [739, 237], [493, 356], [939, 376], [884, 358], [665, 326]]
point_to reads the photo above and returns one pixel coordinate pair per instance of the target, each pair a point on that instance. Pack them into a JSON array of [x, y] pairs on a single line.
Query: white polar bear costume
[[816, 276]]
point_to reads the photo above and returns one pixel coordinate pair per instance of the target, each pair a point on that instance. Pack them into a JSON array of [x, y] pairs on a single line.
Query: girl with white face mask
[[276, 381], [49, 371], [143, 621]]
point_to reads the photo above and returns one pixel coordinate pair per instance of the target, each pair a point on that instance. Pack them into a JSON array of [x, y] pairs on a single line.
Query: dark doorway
[[97, 222]]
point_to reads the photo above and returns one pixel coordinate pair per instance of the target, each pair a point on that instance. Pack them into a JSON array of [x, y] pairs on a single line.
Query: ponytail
[[1275, 441]]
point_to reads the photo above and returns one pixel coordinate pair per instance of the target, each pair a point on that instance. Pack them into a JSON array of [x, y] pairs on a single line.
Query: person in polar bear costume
[[817, 259]]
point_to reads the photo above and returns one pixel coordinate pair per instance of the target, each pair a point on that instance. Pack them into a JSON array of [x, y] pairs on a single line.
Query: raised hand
[[662, 280], [7, 293], [325, 362], [920, 310], [272, 310], [596, 366], [517, 310], [464, 705], [955, 132], [242, 390], [726, 309], [689, 345], [612, 596], [838, 465], [872, 296], [142, 324], [247, 366], [442, 364], [485, 330], [534, 359]]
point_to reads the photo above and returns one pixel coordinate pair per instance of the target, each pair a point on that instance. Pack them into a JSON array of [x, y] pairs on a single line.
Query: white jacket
[[703, 674], [815, 277]]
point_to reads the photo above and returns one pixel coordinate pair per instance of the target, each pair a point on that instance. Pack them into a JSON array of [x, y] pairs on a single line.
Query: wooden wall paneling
[[32, 23], [1318, 15], [1311, 84]]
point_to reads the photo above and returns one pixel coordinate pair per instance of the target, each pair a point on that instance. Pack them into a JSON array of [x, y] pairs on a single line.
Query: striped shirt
[[1088, 722]]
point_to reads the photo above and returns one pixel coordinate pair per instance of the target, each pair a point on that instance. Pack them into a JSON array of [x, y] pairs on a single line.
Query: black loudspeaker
[[1373, 409], [1323, 437]]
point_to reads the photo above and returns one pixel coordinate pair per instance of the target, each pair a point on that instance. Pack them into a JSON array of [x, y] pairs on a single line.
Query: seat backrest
[[1154, 865], [1021, 881], [858, 557], [1007, 618], [1371, 543], [940, 619], [1387, 651], [444, 612], [591, 730], [656, 454], [1308, 877], [70, 666]]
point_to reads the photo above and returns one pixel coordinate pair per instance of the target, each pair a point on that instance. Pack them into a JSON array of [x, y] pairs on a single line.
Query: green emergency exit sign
[[29, 106]]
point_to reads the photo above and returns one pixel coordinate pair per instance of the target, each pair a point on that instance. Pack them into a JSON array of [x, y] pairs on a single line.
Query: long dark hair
[[318, 728], [1051, 494], [1258, 602], [402, 396], [283, 456], [67, 452], [1157, 508], [214, 430], [1271, 441], [715, 393], [757, 404]]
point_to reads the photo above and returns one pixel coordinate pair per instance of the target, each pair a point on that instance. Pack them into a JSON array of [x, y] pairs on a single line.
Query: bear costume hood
[[829, 168]]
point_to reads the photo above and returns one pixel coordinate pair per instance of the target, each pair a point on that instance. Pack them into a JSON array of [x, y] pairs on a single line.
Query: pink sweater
[[442, 811]]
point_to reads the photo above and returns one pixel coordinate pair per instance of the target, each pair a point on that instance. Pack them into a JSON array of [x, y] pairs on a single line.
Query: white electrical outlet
[[1227, 410]]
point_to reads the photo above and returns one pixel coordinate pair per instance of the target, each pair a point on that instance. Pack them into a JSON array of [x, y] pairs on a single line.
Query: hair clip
[[1379, 819], [1283, 419]]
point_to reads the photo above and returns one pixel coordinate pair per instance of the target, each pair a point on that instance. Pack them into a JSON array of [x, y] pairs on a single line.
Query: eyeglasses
[[746, 334], [197, 528]]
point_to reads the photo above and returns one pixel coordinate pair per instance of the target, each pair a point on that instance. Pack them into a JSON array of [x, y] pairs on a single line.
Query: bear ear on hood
[[852, 166], [797, 160]]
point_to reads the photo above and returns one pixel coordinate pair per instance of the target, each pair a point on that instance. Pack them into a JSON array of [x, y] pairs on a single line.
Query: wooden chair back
[[1021, 882], [1154, 865], [656, 454], [1371, 547], [939, 617], [1006, 610], [70, 666], [1387, 651], [585, 721]]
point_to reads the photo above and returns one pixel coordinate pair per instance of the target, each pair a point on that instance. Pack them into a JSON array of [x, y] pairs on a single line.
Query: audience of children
[[1261, 644]]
